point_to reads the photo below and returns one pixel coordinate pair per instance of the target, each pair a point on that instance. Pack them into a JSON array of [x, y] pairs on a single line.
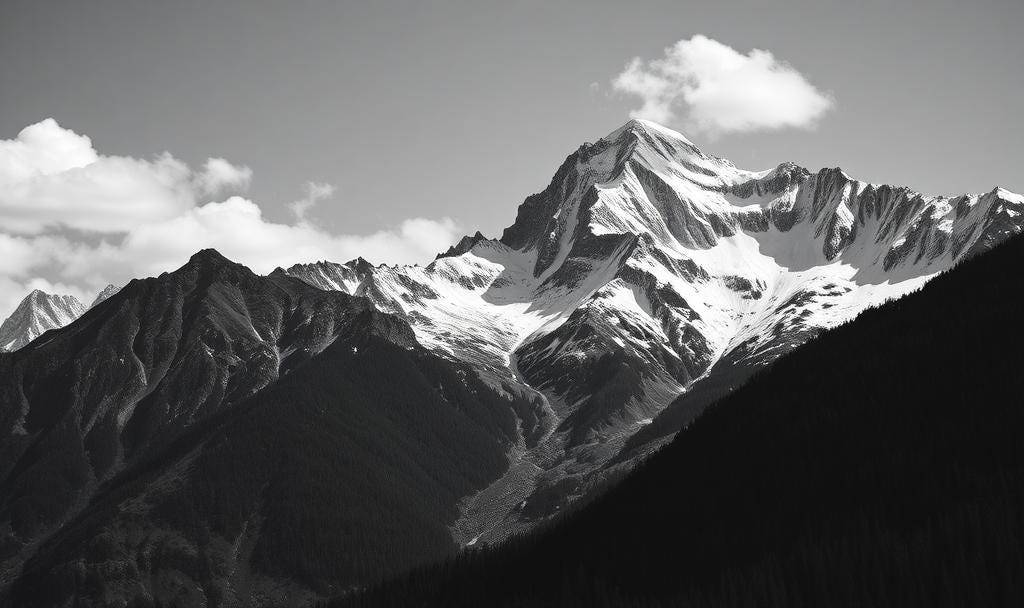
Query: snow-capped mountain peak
[[38, 313], [645, 277]]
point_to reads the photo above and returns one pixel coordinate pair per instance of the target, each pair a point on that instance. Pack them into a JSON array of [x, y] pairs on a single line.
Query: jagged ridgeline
[[879, 465], [38, 313], [215, 437], [646, 270], [201, 436]]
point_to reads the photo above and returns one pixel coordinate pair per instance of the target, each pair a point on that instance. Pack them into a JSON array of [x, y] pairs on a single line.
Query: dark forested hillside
[[212, 437], [880, 465]]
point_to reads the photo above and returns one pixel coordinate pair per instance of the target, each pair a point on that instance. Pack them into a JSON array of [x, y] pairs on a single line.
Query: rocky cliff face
[[192, 439], [647, 278], [215, 437], [139, 368]]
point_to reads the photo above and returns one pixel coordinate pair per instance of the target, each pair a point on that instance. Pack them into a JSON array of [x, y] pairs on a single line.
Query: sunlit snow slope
[[38, 313], [647, 278]]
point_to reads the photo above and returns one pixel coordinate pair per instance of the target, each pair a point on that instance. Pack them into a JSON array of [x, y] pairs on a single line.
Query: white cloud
[[236, 227], [18, 255], [219, 175], [52, 177], [315, 192], [720, 90], [44, 148], [111, 194], [73, 220]]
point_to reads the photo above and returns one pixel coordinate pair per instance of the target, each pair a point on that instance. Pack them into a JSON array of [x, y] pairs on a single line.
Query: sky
[[134, 132]]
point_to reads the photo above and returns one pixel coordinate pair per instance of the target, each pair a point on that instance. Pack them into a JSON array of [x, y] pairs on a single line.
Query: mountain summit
[[38, 313], [647, 278], [210, 406], [215, 437]]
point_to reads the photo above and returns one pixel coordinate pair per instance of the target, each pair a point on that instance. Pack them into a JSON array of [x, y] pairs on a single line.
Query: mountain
[[648, 279], [879, 465], [214, 437], [38, 313], [105, 293]]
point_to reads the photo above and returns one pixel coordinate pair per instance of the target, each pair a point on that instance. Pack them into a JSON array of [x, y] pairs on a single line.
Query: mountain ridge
[[877, 465], [206, 416], [37, 313], [697, 261], [119, 444]]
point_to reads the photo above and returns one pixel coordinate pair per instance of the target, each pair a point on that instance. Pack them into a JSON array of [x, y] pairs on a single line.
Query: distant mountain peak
[[105, 294], [465, 244], [38, 313]]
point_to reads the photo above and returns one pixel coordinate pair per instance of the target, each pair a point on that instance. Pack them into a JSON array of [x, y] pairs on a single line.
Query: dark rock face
[[184, 415], [882, 460], [201, 437], [783, 178], [143, 366], [465, 244], [533, 218]]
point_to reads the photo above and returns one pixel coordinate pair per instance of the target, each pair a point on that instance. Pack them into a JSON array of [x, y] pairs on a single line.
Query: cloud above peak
[[75, 219], [219, 175], [710, 87]]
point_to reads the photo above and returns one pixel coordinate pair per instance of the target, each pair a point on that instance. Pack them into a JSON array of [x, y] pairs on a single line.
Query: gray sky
[[459, 110]]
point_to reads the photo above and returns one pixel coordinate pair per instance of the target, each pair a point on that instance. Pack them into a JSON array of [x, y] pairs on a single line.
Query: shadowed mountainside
[[878, 465], [214, 437]]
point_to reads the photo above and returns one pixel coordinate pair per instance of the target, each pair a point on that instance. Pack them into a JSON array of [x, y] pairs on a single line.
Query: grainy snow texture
[[648, 271], [38, 313]]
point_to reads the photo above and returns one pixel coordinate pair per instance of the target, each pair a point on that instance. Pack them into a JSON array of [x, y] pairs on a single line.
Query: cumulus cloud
[[73, 220], [44, 148], [18, 255], [716, 89], [219, 175], [51, 177], [236, 227]]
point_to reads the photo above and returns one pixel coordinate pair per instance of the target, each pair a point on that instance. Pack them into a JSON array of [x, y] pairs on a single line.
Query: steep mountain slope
[[879, 465], [38, 313], [213, 437], [649, 278]]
